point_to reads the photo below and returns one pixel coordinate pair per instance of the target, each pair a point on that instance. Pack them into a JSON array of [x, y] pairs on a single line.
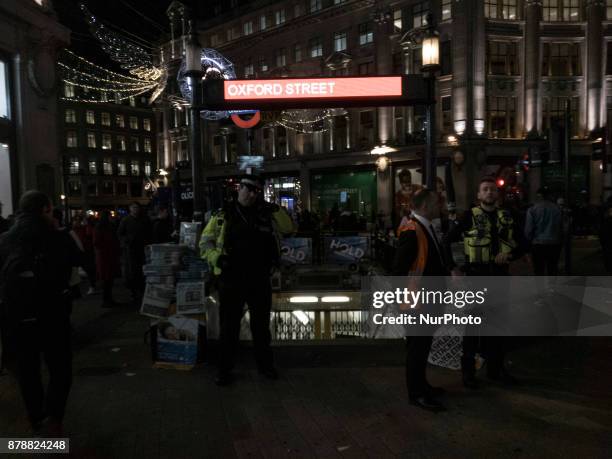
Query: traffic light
[[500, 182]]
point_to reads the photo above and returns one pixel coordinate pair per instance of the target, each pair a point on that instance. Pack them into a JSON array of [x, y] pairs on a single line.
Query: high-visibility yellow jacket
[[477, 242]]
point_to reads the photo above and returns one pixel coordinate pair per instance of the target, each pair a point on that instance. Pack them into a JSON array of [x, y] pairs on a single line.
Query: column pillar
[[407, 49], [479, 74], [348, 131], [305, 186], [384, 66], [595, 12], [384, 198], [533, 15]]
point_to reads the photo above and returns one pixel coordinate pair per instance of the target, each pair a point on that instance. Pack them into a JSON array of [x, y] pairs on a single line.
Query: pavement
[[332, 400]]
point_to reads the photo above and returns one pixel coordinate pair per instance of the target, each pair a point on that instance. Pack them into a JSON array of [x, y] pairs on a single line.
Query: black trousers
[[25, 344], [492, 347], [546, 259], [258, 296], [416, 364]]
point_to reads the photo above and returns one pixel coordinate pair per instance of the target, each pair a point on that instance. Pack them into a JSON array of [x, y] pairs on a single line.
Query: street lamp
[[430, 49], [194, 74]]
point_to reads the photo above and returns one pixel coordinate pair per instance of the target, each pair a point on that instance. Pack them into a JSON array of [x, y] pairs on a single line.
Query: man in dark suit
[[419, 253]]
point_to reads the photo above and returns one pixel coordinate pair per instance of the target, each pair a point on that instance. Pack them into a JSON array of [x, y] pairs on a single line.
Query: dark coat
[[407, 252], [108, 253]]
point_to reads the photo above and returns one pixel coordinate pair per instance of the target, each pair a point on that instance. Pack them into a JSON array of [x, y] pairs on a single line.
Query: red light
[[500, 182]]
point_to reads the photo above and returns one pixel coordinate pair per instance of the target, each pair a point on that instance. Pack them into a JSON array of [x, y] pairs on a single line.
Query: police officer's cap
[[253, 182]]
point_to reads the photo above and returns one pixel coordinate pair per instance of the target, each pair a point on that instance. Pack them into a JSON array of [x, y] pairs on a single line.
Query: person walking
[[419, 253], [135, 234], [544, 231], [492, 239], [241, 246], [37, 262], [162, 226], [108, 253], [84, 231]]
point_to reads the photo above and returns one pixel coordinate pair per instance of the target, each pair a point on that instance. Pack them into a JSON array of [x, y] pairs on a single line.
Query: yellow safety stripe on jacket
[[478, 239]]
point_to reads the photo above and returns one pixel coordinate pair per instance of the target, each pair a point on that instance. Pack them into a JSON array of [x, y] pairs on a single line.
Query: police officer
[[241, 244], [491, 240]]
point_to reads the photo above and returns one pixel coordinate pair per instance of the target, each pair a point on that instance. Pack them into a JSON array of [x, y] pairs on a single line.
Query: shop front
[[284, 191]]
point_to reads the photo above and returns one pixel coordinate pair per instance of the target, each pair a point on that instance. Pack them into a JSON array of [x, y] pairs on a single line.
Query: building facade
[[508, 68], [108, 151], [30, 38]]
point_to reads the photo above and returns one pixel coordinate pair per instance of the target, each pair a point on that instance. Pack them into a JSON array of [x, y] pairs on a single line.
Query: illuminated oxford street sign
[[286, 93]]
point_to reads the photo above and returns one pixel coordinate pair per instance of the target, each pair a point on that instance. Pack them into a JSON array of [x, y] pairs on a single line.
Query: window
[[339, 41], [70, 116], [135, 189], [502, 58], [263, 22], [315, 5], [147, 168], [214, 40], [500, 9], [609, 11], [281, 58], [447, 114], [247, 28], [105, 119], [366, 122], [4, 91], [146, 124], [147, 145], [121, 145], [297, 10], [120, 121], [419, 14], [501, 113], [397, 20], [90, 117], [446, 58], [92, 189], [233, 33], [366, 68], [417, 60], [107, 166], [93, 166], [570, 10], [121, 167], [74, 188], [73, 165], [107, 187], [133, 122], [561, 59], [68, 90], [122, 189], [553, 112], [91, 139], [279, 17], [134, 168], [446, 9], [107, 142], [132, 101], [339, 2], [263, 65], [366, 34], [550, 10], [297, 53], [71, 139], [249, 70], [134, 144], [316, 47]]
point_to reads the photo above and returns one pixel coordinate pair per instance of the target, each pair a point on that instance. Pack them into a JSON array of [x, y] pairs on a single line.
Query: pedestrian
[[492, 239], [544, 231], [241, 245], [108, 254], [75, 277], [84, 230], [37, 262], [162, 226], [134, 235], [419, 253]]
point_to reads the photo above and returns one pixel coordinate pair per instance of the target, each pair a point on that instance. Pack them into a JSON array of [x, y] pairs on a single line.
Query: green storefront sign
[[553, 176], [351, 191]]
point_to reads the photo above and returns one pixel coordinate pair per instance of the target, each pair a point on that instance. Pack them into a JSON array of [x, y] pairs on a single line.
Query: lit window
[[316, 47], [279, 17], [249, 70], [91, 139], [93, 166], [90, 117], [147, 145], [105, 119], [297, 53], [248, 28], [263, 65], [339, 41], [107, 166], [561, 59], [121, 167], [397, 20], [570, 10], [147, 168], [146, 124], [133, 122], [69, 90], [107, 142], [315, 5], [446, 9], [107, 187], [73, 165], [263, 22], [121, 145], [74, 187], [419, 14], [132, 101], [120, 121], [70, 116], [609, 10], [366, 34], [134, 168], [281, 59], [297, 10], [4, 91], [339, 2], [71, 139], [550, 11], [134, 144], [501, 117], [502, 58]]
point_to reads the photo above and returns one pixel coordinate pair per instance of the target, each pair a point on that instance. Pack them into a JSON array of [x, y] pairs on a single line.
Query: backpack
[[22, 286]]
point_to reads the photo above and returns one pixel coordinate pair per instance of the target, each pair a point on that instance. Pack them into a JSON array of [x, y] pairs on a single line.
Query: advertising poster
[[296, 251], [177, 340], [345, 250]]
